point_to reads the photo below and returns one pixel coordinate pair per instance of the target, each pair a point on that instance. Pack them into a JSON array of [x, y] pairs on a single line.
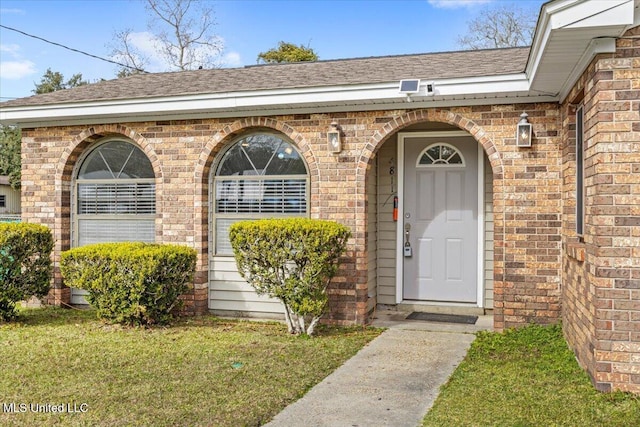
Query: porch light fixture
[[523, 131], [333, 138]]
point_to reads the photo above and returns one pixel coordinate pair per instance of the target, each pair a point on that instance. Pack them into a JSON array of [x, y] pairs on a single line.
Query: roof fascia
[[465, 101], [337, 98], [571, 14]]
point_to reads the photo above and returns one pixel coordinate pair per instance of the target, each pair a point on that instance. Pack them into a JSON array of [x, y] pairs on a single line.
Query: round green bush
[[131, 283], [25, 264], [293, 260]]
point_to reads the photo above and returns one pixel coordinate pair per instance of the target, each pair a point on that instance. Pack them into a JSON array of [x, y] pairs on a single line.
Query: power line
[[73, 50]]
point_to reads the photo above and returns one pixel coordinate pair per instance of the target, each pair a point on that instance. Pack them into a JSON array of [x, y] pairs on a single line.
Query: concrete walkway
[[393, 381]]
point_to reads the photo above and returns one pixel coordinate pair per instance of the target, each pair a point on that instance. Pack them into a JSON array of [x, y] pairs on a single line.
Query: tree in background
[[288, 52], [124, 50], [52, 81], [10, 136], [182, 32], [10, 154], [504, 26]]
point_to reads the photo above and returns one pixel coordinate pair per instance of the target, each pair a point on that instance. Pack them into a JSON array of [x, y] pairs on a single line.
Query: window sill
[[576, 251]]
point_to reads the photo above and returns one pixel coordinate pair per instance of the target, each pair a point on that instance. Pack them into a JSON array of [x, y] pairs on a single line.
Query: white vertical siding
[[372, 236], [386, 230], [12, 200], [488, 234]]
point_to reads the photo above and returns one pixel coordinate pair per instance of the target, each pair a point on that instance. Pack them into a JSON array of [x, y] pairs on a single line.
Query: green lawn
[[202, 371], [527, 377]]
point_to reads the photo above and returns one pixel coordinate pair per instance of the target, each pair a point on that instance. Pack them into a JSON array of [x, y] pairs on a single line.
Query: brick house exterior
[[532, 264]]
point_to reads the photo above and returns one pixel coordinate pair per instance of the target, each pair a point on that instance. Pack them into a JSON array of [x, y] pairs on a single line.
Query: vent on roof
[[409, 87]]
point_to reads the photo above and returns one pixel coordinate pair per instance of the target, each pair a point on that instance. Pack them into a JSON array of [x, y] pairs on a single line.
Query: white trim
[[597, 23], [507, 88], [481, 237], [399, 224], [596, 46]]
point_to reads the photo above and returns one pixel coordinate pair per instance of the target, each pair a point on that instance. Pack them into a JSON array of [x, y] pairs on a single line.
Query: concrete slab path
[[393, 381]]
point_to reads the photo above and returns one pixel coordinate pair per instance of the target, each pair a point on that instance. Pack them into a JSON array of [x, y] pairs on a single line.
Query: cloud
[[18, 68], [11, 49], [15, 70], [6, 11], [145, 42], [231, 59], [456, 4], [144, 47]]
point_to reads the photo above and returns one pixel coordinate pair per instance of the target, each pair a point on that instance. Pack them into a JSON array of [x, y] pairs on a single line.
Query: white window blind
[[116, 198], [102, 230], [261, 196], [260, 176]]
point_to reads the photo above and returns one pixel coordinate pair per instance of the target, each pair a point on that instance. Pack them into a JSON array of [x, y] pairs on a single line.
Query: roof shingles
[[474, 63]]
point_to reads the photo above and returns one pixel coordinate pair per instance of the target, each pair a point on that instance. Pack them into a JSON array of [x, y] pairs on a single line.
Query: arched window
[[115, 195], [440, 154], [259, 176]]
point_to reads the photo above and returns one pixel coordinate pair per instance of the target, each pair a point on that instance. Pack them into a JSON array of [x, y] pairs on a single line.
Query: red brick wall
[[527, 191], [601, 275]]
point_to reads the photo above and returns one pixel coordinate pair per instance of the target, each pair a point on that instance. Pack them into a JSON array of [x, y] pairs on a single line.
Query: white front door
[[440, 219]]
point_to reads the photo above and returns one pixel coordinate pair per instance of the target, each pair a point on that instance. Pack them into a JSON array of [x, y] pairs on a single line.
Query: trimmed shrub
[[293, 260], [131, 283], [25, 264]]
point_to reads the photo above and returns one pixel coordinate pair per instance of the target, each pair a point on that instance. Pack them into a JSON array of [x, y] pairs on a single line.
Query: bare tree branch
[[123, 50], [506, 26], [185, 31], [183, 36]]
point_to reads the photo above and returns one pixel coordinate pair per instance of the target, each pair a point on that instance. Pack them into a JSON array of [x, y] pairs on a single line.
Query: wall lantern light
[[523, 131], [333, 138]]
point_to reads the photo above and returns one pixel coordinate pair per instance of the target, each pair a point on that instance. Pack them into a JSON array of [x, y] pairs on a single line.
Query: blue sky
[[334, 29]]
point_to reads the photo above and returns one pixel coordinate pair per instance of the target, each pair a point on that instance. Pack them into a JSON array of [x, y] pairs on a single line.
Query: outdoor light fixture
[[523, 131], [333, 138]]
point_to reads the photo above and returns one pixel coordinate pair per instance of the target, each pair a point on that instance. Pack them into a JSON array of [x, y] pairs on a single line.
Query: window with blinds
[[115, 195], [260, 176]]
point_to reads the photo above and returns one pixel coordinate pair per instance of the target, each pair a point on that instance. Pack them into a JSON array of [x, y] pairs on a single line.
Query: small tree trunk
[[312, 325], [288, 319]]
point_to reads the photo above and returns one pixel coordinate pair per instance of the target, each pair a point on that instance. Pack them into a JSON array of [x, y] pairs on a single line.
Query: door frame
[[402, 137]]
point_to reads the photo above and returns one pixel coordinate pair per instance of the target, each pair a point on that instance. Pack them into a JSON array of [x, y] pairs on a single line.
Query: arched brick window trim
[[227, 133], [67, 162], [90, 135], [225, 136]]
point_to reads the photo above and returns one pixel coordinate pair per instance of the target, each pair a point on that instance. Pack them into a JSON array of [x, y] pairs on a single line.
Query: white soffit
[[569, 34], [450, 92]]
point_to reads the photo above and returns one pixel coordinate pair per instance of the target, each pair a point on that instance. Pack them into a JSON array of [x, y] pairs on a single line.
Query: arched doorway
[[434, 163]]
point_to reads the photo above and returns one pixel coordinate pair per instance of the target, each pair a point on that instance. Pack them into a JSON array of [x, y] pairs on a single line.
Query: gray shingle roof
[[474, 63]]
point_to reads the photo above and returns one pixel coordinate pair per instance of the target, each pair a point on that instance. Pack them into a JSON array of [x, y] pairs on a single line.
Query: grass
[[527, 377], [202, 371]]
